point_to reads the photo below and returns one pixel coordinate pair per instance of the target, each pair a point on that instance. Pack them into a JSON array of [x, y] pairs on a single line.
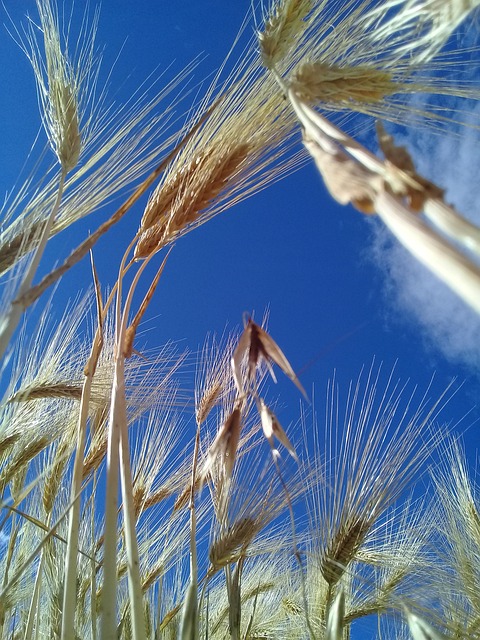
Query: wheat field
[[153, 488]]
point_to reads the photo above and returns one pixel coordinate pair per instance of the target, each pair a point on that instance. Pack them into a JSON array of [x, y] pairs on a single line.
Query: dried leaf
[[272, 428], [226, 443], [408, 183], [237, 358], [346, 179], [260, 346]]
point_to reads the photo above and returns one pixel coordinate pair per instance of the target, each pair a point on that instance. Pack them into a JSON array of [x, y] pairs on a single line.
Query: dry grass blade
[[132, 328], [43, 527]]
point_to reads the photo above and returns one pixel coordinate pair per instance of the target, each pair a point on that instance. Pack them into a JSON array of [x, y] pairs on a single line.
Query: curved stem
[[18, 306]]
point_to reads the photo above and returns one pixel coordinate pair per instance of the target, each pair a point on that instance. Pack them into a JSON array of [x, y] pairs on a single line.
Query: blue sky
[[339, 290]]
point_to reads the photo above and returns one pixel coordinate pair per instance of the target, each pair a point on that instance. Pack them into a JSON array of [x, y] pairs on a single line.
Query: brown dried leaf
[[226, 443], [407, 183], [260, 346], [272, 428], [346, 179]]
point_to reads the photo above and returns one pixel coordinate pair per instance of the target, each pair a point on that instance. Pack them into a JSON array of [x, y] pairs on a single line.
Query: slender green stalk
[[70, 584], [189, 628], [33, 611], [118, 458]]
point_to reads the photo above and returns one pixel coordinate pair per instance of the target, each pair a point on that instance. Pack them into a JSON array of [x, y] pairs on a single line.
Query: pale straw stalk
[[334, 151]]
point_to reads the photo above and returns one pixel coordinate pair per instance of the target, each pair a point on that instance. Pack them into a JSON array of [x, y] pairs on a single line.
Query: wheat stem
[[18, 306], [69, 595], [33, 611], [118, 458], [69, 598]]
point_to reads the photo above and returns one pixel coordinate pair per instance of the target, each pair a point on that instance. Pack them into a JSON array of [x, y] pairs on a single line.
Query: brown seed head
[[54, 390], [285, 24], [208, 401], [94, 457], [342, 549], [178, 202], [232, 545], [317, 82]]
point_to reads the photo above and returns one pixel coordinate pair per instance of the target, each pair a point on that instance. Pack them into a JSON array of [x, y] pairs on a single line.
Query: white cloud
[[453, 163]]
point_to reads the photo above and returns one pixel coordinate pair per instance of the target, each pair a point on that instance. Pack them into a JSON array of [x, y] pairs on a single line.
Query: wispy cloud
[[448, 325]]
